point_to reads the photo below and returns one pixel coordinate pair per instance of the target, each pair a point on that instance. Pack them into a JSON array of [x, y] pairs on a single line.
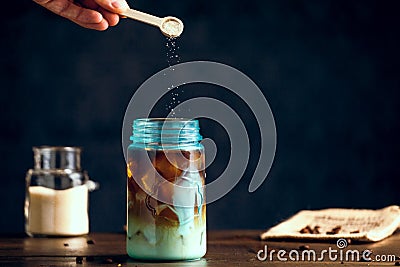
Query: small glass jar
[[166, 211], [56, 202]]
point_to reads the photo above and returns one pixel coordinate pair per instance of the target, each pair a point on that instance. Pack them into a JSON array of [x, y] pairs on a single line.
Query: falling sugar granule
[[173, 58]]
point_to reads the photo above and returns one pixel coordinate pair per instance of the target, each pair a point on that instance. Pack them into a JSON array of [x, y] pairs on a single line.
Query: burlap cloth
[[356, 224]]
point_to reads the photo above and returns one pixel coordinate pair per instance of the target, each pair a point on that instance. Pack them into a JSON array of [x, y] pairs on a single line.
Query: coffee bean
[[309, 230], [306, 230], [304, 247], [79, 260], [90, 242], [66, 245], [108, 261], [364, 260], [316, 230], [335, 230]]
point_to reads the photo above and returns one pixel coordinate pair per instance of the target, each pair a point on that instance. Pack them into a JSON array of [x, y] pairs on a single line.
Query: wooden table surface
[[225, 248]]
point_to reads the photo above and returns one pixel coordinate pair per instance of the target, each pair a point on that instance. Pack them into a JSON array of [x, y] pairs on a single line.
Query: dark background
[[329, 69]]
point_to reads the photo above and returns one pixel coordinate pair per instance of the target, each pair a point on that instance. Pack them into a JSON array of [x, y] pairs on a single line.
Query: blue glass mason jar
[[166, 211]]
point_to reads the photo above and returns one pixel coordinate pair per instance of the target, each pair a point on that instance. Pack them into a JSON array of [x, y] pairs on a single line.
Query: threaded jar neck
[[57, 158], [165, 132]]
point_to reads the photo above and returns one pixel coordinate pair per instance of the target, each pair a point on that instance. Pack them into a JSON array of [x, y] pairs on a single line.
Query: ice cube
[[196, 159], [169, 165], [168, 213], [188, 199]]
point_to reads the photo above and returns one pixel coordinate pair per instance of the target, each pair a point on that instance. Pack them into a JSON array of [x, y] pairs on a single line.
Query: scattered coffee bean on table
[[109, 261], [364, 260], [90, 242], [304, 247], [79, 260], [66, 245]]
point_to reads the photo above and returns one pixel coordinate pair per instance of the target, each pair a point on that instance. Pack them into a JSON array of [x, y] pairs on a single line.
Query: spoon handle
[[143, 17]]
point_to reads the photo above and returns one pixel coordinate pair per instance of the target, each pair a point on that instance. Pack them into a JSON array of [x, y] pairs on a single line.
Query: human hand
[[91, 14]]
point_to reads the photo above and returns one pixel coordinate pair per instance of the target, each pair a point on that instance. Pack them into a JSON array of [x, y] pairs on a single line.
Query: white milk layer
[[58, 212], [150, 242]]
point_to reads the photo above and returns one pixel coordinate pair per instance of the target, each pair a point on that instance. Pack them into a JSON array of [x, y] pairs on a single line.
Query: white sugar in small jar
[[57, 190]]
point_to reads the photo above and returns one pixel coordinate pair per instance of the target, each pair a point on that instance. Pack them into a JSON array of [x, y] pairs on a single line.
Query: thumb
[[115, 6]]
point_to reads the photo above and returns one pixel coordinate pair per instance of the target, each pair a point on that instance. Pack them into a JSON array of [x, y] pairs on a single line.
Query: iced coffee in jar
[[166, 199]]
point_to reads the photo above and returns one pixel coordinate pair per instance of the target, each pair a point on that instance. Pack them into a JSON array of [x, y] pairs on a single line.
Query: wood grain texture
[[225, 248]]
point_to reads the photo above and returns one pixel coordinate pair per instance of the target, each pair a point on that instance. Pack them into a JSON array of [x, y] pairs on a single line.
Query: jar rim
[[163, 119], [57, 148], [166, 123]]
